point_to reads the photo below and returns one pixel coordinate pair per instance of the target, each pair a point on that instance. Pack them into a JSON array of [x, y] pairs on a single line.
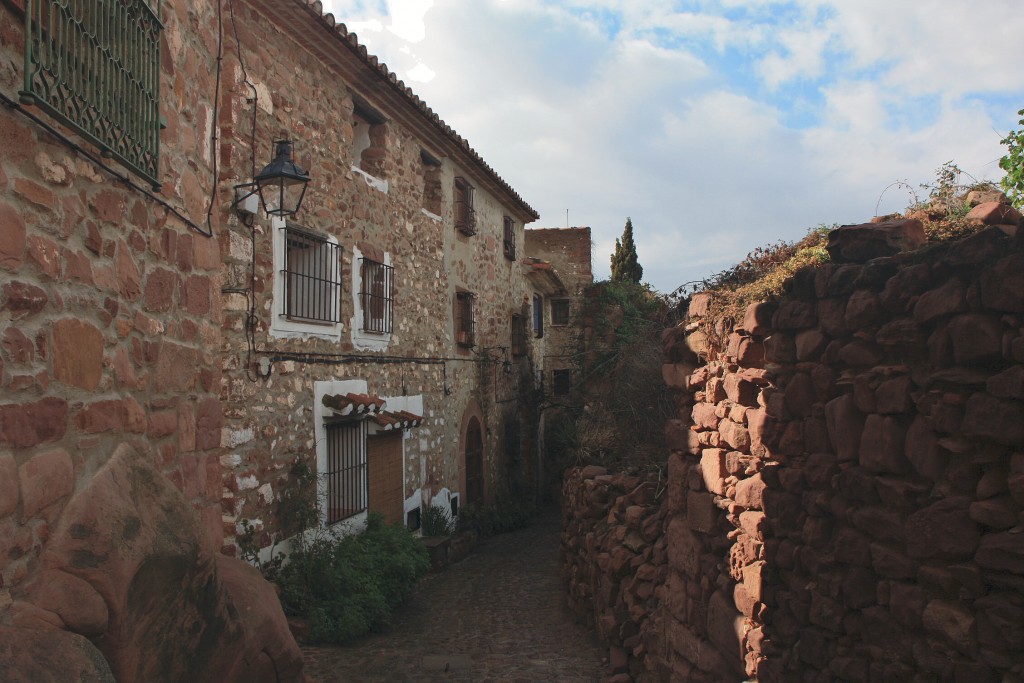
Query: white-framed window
[[307, 283], [372, 299]]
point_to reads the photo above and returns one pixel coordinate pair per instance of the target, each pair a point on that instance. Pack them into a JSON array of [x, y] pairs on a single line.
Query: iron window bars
[[94, 66], [465, 216], [559, 311], [312, 277], [376, 298], [464, 324], [346, 469], [509, 242]]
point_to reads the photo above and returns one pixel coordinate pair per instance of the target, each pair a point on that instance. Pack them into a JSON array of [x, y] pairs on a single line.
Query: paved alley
[[498, 615]]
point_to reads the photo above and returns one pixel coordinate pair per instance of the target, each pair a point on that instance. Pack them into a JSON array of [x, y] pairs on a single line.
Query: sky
[[715, 125]]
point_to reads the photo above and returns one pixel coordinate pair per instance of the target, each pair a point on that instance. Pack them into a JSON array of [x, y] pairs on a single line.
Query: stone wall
[[845, 480], [109, 311]]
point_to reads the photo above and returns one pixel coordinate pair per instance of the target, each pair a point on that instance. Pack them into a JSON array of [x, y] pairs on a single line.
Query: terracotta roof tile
[[351, 40]]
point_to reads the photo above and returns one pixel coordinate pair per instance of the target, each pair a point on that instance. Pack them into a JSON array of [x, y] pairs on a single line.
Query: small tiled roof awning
[[365, 406], [542, 275], [400, 419]]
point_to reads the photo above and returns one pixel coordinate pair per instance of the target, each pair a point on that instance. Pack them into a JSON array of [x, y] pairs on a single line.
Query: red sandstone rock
[[859, 243], [712, 465], [994, 213], [45, 479], [684, 548], [976, 338], [78, 605], [1007, 384], [699, 305], [22, 299], [794, 315], [945, 300], [862, 310], [922, 449], [701, 512], [951, 623], [881, 446], [1002, 286], [1002, 551], [270, 651], [750, 491], [800, 395], [132, 538], [998, 419], [34, 656], [8, 485], [942, 530], [758, 318], [77, 353], [704, 416], [734, 435]]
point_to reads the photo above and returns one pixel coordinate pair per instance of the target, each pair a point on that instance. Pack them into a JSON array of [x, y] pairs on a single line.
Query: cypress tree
[[625, 266]]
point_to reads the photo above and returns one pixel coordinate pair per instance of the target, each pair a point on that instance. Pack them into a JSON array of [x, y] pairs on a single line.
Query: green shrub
[[1013, 164], [437, 522], [348, 587], [506, 513]]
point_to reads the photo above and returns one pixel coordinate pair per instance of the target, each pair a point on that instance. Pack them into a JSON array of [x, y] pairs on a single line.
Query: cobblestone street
[[498, 615]]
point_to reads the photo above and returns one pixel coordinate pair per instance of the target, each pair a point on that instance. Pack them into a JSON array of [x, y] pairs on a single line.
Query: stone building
[[158, 327]]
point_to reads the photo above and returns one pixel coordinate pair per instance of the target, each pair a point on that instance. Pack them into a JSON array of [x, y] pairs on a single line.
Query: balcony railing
[[465, 218]]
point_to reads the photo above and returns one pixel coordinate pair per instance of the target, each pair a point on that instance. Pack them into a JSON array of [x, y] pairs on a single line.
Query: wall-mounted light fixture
[[281, 186]]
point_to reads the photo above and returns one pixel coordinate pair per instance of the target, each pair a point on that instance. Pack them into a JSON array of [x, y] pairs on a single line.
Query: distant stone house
[[386, 337]]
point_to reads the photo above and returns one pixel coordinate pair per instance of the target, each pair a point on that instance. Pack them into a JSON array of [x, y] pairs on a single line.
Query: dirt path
[[498, 615]]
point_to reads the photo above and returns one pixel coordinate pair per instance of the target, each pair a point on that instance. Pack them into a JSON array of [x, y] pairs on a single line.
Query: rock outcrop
[[129, 567]]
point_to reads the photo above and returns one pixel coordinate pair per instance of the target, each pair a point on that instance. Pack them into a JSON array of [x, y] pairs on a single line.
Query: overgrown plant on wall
[[622, 408], [1013, 163]]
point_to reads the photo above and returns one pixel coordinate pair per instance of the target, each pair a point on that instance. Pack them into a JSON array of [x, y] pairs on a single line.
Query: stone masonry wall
[[845, 478], [109, 308]]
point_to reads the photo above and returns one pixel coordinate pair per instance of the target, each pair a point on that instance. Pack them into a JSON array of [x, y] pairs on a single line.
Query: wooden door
[[384, 470]]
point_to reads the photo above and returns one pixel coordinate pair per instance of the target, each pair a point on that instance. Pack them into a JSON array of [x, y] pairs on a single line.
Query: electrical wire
[[251, 319], [78, 149], [214, 126]]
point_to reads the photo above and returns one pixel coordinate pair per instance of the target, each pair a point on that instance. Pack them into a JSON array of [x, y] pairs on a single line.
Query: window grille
[[561, 382], [464, 324], [510, 239], [465, 216], [518, 335], [95, 67], [346, 470], [312, 277], [377, 280], [538, 316], [559, 311]]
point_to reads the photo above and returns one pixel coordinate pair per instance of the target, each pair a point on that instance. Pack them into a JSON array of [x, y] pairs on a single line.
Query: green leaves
[[1013, 163]]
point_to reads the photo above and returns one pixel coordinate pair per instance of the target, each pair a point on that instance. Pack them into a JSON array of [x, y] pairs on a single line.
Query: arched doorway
[[474, 459]]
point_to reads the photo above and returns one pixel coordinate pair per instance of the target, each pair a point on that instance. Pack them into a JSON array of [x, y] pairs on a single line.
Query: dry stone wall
[[846, 477]]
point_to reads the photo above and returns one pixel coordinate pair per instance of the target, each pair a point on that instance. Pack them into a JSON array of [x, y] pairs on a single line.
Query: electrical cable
[[214, 126], [78, 149]]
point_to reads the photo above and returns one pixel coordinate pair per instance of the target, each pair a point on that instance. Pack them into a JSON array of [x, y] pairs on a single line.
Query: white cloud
[[718, 128]]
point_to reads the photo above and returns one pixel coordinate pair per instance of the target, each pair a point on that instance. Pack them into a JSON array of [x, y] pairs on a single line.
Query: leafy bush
[[1013, 164], [506, 513], [348, 587], [437, 522]]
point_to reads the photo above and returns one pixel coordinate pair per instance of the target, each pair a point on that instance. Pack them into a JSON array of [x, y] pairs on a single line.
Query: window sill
[[432, 216], [372, 181]]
